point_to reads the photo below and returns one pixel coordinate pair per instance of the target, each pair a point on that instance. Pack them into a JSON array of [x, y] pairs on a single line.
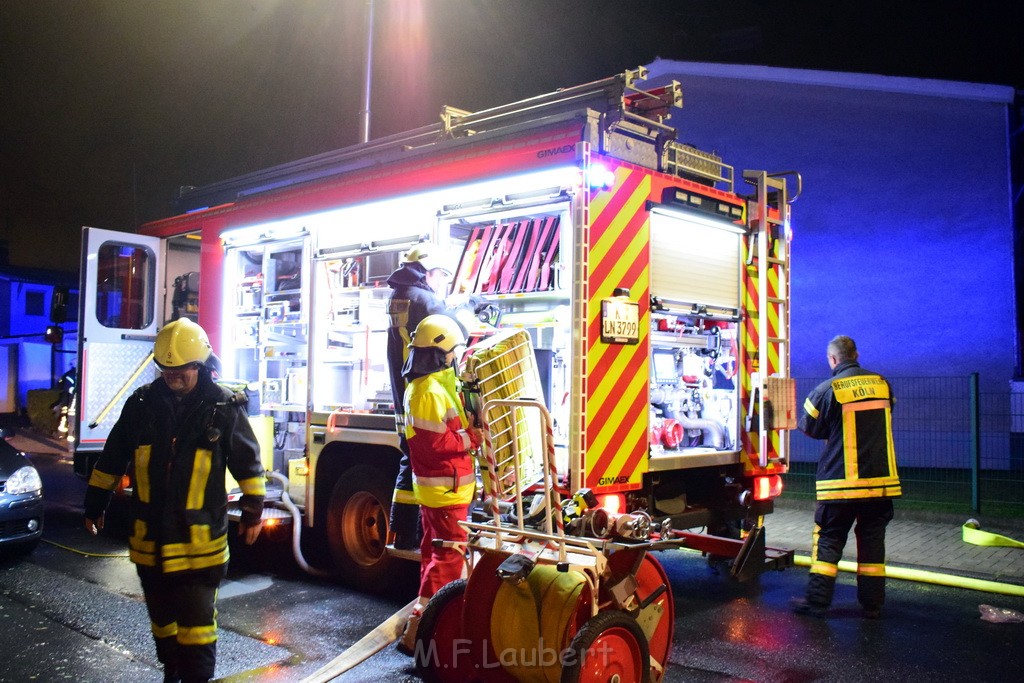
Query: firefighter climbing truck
[[652, 291]]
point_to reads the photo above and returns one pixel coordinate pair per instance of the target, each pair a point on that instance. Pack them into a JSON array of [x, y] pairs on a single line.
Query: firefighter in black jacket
[[856, 478], [419, 285], [178, 435]]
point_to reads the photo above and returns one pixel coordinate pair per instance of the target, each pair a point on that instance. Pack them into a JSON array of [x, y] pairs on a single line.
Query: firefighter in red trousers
[[856, 478], [181, 434], [440, 437]]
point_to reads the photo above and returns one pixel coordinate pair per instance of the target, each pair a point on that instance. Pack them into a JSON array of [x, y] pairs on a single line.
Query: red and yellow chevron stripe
[[616, 393]]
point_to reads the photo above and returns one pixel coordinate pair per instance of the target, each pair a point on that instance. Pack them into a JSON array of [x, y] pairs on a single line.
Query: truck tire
[[357, 530]]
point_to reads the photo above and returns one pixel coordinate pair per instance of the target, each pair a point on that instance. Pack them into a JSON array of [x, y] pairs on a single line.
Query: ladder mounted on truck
[[615, 112], [772, 396], [625, 114]]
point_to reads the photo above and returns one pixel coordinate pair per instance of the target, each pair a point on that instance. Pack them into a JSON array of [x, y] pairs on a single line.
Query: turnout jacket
[[853, 413], [178, 452], [439, 444], [412, 301]]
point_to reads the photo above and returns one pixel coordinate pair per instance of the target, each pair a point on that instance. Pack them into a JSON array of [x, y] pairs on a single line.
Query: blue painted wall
[[903, 237], [26, 359]]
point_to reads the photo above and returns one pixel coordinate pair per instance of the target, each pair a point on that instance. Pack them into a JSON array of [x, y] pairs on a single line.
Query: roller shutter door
[[694, 261]]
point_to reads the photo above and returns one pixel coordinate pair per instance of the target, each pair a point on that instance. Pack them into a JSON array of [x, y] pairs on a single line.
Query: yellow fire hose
[[923, 576], [972, 534]]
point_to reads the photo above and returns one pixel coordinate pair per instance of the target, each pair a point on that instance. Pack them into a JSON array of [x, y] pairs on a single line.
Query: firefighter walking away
[[856, 478]]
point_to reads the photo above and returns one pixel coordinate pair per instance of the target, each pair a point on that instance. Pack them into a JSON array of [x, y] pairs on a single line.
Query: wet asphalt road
[[67, 616]]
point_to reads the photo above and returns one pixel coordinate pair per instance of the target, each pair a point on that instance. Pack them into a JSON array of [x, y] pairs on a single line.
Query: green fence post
[[975, 446]]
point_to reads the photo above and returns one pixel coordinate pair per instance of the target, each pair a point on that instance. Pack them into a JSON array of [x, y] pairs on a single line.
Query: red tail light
[[767, 487], [613, 503]]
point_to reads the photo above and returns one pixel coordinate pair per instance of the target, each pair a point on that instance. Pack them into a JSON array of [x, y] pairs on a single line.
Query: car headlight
[[24, 480]]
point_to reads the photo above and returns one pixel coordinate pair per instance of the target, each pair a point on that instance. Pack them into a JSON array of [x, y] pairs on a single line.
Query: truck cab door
[[119, 313]]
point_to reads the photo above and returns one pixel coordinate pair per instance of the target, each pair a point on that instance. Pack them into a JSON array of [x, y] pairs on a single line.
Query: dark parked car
[[21, 500]]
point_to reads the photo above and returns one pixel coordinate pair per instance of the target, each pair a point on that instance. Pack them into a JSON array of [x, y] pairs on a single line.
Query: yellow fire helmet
[[437, 331], [181, 342], [426, 256]]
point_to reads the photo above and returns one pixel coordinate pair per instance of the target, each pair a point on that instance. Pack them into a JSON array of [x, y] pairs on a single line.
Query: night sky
[[109, 106]]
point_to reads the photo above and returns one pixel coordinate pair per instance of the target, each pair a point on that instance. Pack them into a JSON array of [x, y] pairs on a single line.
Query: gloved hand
[[93, 526], [250, 532]]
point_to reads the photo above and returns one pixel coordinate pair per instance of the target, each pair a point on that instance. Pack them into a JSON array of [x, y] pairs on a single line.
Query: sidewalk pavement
[[916, 539], [31, 441]]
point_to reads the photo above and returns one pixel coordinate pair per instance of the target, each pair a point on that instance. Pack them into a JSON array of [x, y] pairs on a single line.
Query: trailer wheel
[[609, 647], [357, 529], [440, 627], [650, 578]]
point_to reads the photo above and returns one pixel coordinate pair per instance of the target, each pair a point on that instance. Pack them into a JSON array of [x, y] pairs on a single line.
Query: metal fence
[[958, 449]]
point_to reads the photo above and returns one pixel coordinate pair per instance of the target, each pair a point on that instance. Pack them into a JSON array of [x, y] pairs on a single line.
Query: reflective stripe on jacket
[[439, 444], [853, 413], [178, 453]]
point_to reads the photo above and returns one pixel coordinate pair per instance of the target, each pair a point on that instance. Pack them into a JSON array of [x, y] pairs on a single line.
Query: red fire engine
[[654, 296]]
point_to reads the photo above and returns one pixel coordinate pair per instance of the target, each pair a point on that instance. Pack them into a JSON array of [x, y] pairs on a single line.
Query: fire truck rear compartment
[[715, 498]]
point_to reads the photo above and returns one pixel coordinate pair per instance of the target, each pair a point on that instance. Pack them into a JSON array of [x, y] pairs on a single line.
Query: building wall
[[29, 308], [8, 378], [903, 236], [27, 361]]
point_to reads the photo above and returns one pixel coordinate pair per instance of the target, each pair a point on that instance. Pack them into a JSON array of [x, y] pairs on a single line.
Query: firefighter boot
[[810, 609], [407, 643], [405, 524]]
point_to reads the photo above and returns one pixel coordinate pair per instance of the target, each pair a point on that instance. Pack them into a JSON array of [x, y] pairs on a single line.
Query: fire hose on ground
[[924, 576], [972, 534]]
